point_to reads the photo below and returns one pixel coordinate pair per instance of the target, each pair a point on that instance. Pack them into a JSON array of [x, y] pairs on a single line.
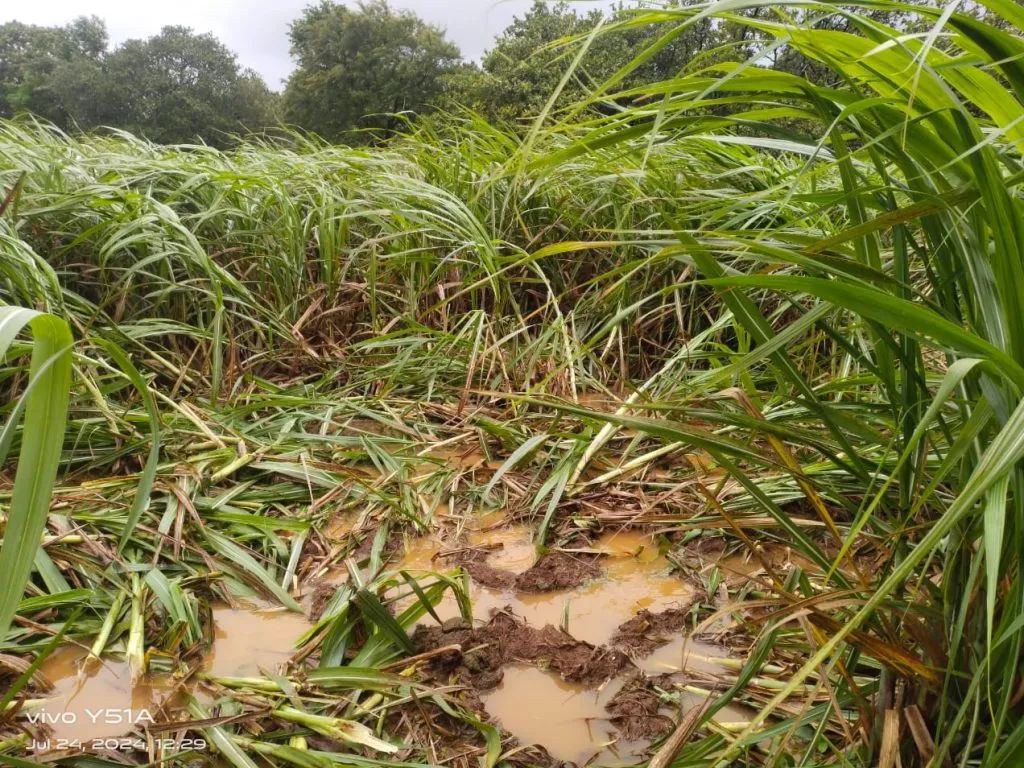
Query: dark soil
[[322, 595], [634, 710], [647, 631], [474, 561], [504, 640], [554, 571], [558, 571]]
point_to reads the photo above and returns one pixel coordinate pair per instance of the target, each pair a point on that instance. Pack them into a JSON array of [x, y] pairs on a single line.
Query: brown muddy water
[[634, 579], [246, 640], [570, 721], [535, 706], [538, 707], [97, 700]]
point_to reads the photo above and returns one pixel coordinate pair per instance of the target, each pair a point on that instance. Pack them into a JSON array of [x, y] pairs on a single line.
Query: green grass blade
[[42, 442]]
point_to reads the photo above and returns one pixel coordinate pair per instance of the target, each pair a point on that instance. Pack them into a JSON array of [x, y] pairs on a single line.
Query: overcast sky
[[257, 30]]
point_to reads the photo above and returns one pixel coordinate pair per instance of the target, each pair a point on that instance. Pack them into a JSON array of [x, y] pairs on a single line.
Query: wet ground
[[567, 666], [577, 636], [93, 699], [569, 720], [632, 576]]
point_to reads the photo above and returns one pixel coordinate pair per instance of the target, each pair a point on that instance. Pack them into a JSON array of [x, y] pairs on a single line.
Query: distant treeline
[[360, 72]]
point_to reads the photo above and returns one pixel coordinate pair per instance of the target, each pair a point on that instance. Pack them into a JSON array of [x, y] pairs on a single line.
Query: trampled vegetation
[[740, 311]]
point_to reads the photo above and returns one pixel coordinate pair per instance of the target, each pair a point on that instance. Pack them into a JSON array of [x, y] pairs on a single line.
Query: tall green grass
[[817, 286], [916, 159], [44, 406]]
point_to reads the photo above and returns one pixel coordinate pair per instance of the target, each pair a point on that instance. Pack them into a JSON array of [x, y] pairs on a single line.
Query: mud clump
[[557, 571], [322, 594], [553, 572], [634, 710], [474, 561], [504, 640], [647, 631]]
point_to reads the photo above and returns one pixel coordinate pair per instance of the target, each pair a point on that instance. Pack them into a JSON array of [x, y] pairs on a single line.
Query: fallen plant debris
[[350, 433]]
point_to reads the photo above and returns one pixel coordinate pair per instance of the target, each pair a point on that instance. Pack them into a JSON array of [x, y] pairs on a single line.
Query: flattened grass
[[802, 303]]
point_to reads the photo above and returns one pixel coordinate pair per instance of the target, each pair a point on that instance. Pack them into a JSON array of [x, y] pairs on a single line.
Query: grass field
[[775, 328]]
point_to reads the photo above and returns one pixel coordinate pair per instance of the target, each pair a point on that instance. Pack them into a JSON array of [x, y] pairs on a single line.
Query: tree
[[32, 57], [521, 71], [530, 58], [357, 68], [179, 86], [174, 87]]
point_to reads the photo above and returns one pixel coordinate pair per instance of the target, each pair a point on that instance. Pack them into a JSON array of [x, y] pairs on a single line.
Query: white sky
[[257, 30]]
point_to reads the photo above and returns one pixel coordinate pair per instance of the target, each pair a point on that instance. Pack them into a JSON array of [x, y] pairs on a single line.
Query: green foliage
[[178, 86], [36, 61], [174, 87], [356, 68], [44, 405], [918, 160], [811, 338], [528, 60]]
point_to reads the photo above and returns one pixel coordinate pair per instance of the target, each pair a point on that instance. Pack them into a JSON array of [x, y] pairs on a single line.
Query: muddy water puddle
[[741, 567], [535, 706], [421, 554], [635, 578], [568, 720], [96, 700], [572, 723], [538, 707], [247, 640], [510, 548], [341, 525]]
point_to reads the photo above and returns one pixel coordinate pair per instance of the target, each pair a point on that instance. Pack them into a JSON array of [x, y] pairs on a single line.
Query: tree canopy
[[356, 68], [362, 71], [179, 85], [174, 87], [529, 59], [35, 61]]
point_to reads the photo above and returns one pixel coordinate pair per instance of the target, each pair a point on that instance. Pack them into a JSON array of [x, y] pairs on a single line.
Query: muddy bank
[[503, 641], [555, 571], [558, 571], [648, 631], [635, 710]]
